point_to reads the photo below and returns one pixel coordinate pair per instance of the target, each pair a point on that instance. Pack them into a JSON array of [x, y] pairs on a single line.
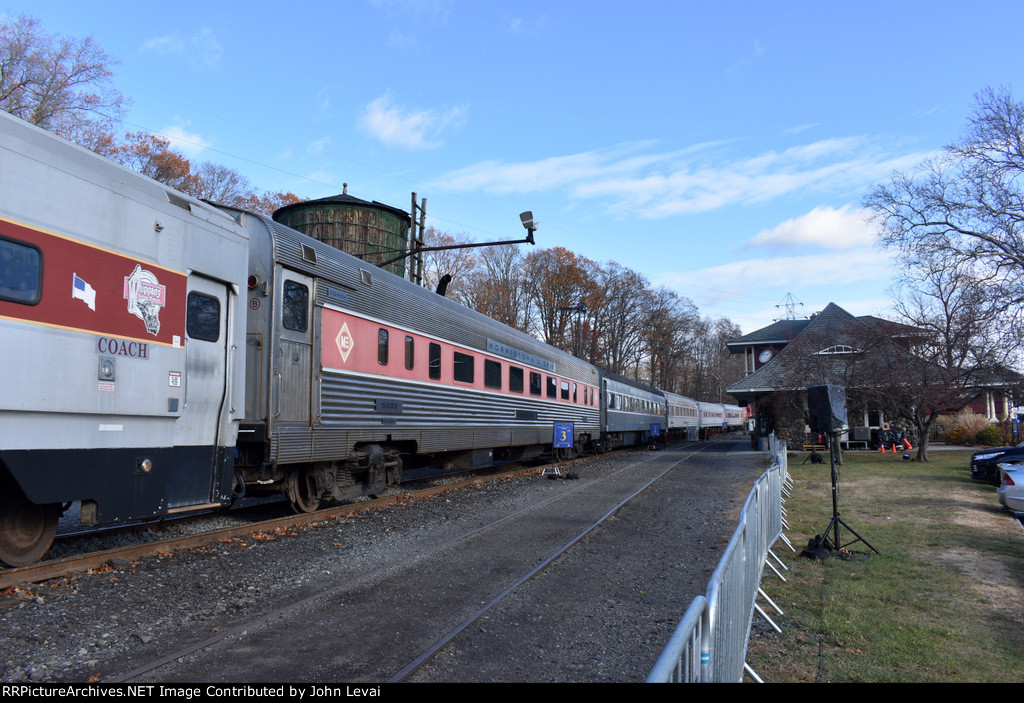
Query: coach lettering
[[122, 347]]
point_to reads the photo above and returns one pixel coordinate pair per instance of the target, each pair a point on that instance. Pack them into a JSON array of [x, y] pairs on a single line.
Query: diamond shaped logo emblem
[[344, 341]]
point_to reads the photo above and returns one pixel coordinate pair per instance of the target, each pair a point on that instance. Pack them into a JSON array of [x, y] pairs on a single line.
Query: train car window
[[294, 306], [611, 401], [565, 390], [435, 361], [492, 374], [410, 352], [463, 367], [202, 317], [515, 379], [382, 346], [574, 392], [552, 387], [21, 275], [535, 387]]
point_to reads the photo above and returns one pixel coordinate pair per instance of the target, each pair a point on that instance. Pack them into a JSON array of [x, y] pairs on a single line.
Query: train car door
[[197, 476], [295, 352]]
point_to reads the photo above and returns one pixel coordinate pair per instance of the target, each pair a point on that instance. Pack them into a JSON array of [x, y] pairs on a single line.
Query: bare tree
[[956, 353], [497, 288], [968, 204], [622, 317], [61, 84], [709, 367], [220, 184], [669, 326], [959, 223], [458, 264]]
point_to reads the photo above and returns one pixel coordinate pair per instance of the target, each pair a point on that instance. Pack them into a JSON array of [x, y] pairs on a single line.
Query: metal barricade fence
[[716, 627]]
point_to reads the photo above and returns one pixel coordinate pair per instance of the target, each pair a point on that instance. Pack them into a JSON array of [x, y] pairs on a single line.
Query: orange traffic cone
[[907, 443], [882, 449], [894, 448]]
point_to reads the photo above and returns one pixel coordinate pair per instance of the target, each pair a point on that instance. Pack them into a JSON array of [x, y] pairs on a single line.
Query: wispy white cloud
[[435, 10], [317, 147], [412, 22], [410, 129], [188, 143], [533, 26], [803, 271], [799, 128], [845, 228], [202, 50], [633, 180], [743, 63], [737, 279]]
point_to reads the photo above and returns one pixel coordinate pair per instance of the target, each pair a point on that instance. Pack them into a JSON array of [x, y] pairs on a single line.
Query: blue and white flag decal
[[83, 291]]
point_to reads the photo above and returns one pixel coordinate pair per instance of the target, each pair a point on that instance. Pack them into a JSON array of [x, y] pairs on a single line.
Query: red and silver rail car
[[734, 416], [683, 416], [119, 312], [136, 382], [716, 418], [354, 373]]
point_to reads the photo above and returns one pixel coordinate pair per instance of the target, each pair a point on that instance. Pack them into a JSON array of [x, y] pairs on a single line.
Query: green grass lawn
[[943, 601]]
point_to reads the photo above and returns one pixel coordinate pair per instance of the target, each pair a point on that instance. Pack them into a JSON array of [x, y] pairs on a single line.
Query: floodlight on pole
[[529, 224]]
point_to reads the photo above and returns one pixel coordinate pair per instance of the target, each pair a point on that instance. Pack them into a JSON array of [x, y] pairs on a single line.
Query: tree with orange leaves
[[557, 279], [153, 156]]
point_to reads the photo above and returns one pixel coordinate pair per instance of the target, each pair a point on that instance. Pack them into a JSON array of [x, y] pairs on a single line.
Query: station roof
[[830, 342], [779, 332]]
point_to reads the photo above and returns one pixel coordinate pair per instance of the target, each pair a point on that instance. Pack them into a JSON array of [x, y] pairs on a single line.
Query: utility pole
[[416, 240]]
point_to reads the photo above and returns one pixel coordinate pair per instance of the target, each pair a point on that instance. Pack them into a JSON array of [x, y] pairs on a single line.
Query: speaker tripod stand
[[836, 522]]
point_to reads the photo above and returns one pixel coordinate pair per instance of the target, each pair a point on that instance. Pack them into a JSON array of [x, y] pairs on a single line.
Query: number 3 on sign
[[563, 435]]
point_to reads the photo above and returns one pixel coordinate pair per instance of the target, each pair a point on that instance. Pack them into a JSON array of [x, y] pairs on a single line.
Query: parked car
[[1011, 489], [984, 464]]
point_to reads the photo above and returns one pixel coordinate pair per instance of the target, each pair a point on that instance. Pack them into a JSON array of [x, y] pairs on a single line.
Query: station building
[[834, 347]]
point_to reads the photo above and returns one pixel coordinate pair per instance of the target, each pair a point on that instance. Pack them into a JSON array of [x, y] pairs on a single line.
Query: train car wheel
[[379, 487], [302, 490], [26, 529], [566, 454]]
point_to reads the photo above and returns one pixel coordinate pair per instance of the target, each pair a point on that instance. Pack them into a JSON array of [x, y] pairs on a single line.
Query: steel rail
[[431, 651], [283, 611], [57, 568]]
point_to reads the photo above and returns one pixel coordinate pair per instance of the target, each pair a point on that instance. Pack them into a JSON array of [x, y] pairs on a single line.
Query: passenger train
[[163, 354]]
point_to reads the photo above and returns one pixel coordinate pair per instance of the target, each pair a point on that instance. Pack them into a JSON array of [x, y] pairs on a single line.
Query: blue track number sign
[[563, 435]]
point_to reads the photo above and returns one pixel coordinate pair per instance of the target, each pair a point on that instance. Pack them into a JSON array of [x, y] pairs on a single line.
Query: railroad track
[[290, 612], [56, 568]]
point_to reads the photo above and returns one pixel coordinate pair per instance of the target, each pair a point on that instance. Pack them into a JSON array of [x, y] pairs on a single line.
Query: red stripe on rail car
[[92, 289]]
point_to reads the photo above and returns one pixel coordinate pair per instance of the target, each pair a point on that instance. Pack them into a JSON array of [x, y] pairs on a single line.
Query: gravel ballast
[[356, 599]]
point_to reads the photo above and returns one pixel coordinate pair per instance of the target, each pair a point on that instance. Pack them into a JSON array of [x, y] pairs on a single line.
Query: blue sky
[[721, 149]]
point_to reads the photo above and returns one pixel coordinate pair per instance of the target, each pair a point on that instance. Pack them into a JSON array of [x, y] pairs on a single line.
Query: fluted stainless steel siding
[[438, 418], [441, 418]]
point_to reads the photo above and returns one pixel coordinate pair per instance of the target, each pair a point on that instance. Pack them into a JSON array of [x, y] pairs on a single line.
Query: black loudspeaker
[[826, 407]]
